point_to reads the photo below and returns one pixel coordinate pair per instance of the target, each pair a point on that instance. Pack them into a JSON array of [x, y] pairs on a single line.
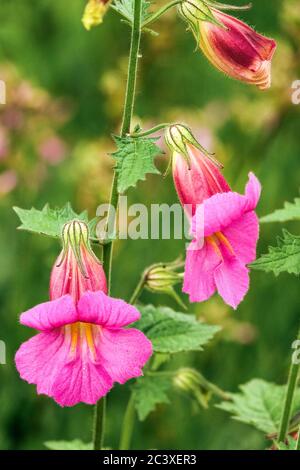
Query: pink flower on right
[[218, 262], [237, 50]]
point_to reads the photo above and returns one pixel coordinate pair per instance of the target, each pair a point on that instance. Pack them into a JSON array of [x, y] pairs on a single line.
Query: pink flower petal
[[123, 353], [232, 280], [199, 280], [50, 315], [222, 209], [100, 309], [252, 193], [242, 235], [45, 360]]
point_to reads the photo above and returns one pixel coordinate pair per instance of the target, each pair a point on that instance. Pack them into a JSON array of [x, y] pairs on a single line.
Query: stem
[[287, 410], [138, 290], [128, 425], [160, 12], [99, 424], [100, 408], [150, 131]]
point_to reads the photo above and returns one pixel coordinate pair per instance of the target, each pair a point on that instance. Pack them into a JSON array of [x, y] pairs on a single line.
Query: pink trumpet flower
[[82, 347], [230, 229], [237, 50]]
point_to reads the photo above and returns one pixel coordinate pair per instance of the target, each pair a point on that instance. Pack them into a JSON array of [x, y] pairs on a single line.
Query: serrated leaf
[[283, 258], [48, 221], [134, 159], [259, 404], [148, 392], [77, 444], [126, 7], [173, 332], [290, 211]]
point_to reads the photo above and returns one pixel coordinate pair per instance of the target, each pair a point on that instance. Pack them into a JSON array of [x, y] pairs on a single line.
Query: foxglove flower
[[230, 229], [82, 347], [196, 173], [231, 45]]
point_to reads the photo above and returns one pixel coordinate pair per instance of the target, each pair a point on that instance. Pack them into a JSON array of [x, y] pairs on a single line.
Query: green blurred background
[[65, 89]]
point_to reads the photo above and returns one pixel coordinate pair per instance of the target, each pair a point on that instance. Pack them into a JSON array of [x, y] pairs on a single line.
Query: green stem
[[128, 425], [150, 131], [160, 12], [287, 409], [99, 424], [138, 290], [100, 408]]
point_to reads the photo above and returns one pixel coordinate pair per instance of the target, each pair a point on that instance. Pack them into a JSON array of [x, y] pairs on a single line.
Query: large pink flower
[[230, 228], [81, 349]]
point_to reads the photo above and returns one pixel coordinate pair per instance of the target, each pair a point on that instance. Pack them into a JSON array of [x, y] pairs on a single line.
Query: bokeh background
[[65, 89]]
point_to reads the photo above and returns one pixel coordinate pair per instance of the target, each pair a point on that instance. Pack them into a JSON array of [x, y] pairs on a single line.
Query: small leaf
[[173, 332], [283, 258], [48, 221], [290, 211], [77, 444], [259, 404], [126, 7], [134, 159], [148, 392]]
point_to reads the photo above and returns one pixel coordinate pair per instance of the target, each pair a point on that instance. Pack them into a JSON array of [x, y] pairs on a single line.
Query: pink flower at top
[[82, 347], [230, 228], [230, 45]]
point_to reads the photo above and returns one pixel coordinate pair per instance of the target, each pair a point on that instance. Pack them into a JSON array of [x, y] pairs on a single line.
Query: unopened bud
[[94, 13]]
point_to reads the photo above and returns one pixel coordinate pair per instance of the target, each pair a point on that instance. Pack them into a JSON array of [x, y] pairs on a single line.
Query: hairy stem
[[287, 409], [100, 408], [99, 424], [138, 290], [160, 12], [128, 425]]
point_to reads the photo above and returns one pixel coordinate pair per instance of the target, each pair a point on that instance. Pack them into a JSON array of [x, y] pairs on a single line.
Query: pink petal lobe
[[232, 280], [253, 191], [123, 353], [242, 235], [100, 309], [50, 315], [199, 280]]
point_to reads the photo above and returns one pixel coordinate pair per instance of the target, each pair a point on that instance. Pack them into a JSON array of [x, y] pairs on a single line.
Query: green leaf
[[291, 444], [283, 258], [290, 211], [134, 159], [126, 7], [148, 392], [77, 444], [259, 404], [173, 332], [48, 221]]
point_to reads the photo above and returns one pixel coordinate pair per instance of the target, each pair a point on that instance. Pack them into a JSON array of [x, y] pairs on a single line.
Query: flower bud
[[161, 278], [77, 269], [188, 380], [231, 45], [94, 13], [196, 173]]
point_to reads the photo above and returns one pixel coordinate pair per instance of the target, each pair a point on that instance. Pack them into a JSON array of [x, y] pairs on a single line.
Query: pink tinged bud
[[237, 50], [197, 180], [77, 269]]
